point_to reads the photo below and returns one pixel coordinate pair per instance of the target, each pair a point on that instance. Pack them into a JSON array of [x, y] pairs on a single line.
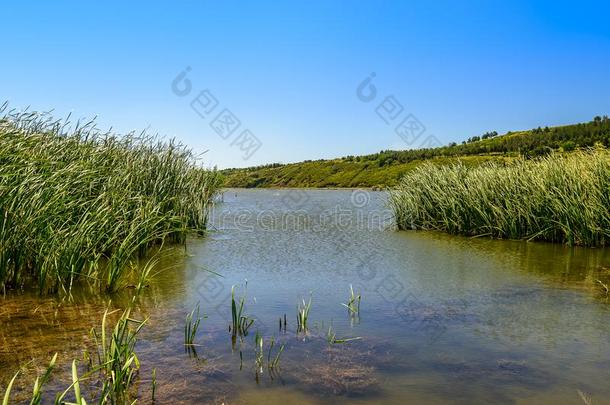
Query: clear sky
[[289, 70]]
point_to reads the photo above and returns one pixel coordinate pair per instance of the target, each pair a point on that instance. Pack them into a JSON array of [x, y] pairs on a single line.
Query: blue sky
[[289, 70]]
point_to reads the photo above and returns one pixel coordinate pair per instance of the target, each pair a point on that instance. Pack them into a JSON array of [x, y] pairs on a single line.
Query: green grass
[[559, 198], [80, 204], [336, 173]]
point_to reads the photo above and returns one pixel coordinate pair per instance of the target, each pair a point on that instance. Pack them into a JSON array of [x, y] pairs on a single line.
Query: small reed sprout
[[275, 362], [41, 381], [146, 274], [191, 325], [353, 303], [7, 393], [259, 354], [118, 362], [282, 325], [303, 315], [331, 337], [240, 322]]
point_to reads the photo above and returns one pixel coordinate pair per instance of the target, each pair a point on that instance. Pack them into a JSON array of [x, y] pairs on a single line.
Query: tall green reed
[[558, 198], [80, 204]]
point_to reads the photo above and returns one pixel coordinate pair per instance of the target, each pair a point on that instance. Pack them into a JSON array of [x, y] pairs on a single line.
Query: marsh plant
[[273, 361], [117, 360], [559, 198], [39, 384], [303, 315], [77, 203], [41, 381], [191, 325], [116, 370], [240, 322], [331, 337], [259, 354], [353, 303]]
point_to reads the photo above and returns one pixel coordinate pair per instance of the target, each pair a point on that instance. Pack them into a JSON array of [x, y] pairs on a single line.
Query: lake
[[443, 319]]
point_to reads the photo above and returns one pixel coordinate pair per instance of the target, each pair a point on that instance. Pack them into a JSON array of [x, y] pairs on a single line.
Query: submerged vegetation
[[558, 198], [111, 371], [114, 375], [77, 203]]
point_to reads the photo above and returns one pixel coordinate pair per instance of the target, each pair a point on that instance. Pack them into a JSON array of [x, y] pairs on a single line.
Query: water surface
[[443, 319]]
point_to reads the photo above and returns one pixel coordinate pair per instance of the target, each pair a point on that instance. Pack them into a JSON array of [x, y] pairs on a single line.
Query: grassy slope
[[387, 167], [337, 173]]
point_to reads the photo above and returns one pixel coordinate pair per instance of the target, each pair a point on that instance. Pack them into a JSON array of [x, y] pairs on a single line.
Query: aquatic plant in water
[[273, 362], [259, 355], [81, 204], [303, 315], [559, 198], [118, 363], [191, 325], [116, 369], [240, 322], [353, 304], [331, 337]]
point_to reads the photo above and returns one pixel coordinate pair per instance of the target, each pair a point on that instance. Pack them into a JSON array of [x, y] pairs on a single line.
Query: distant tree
[[568, 146]]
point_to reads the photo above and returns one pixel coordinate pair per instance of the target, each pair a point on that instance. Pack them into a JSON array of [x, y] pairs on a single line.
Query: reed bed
[[561, 198], [78, 203]]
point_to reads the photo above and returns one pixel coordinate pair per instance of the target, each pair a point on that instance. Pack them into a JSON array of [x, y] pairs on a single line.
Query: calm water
[[443, 319]]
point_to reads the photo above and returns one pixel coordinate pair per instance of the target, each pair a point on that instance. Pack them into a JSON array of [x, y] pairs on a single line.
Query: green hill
[[387, 167]]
